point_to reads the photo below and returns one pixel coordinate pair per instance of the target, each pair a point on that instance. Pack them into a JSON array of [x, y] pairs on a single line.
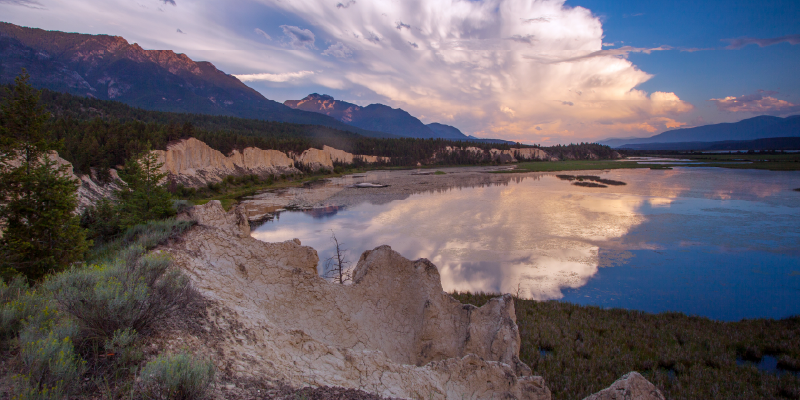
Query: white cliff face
[[90, 190], [392, 332], [192, 162], [506, 156]]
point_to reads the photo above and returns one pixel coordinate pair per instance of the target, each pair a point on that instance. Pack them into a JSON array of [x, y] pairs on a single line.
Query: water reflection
[[551, 239]]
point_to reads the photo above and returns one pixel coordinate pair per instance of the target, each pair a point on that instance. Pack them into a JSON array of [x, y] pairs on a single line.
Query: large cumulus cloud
[[533, 71], [493, 67]]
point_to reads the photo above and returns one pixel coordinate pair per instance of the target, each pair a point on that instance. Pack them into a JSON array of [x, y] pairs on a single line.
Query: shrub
[[147, 235], [134, 292], [177, 377], [51, 368]]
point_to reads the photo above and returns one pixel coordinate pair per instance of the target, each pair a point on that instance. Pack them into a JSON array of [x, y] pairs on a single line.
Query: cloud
[[535, 20], [180, 31], [345, 5], [299, 38], [262, 33], [523, 39], [621, 52], [283, 77], [567, 103], [455, 63], [741, 42], [169, 2], [24, 3], [760, 102], [508, 111], [401, 25], [338, 50]]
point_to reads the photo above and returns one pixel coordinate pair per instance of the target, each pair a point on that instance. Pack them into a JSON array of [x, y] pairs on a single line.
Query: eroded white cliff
[[193, 163], [393, 332]]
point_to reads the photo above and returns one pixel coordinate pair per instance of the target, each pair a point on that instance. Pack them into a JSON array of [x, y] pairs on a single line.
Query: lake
[[720, 243]]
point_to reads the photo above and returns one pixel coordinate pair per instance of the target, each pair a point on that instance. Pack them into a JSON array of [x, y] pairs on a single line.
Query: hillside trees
[[40, 233], [144, 197]]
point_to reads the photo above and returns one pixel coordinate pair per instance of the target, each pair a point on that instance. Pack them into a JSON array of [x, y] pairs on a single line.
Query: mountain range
[[760, 127], [374, 117], [109, 68]]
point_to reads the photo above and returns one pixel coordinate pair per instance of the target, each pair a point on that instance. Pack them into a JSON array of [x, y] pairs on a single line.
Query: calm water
[[713, 242]]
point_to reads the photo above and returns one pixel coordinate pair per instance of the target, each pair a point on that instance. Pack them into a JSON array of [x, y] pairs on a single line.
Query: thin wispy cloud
[[535, 20], [401, 25], [299, 38], [338, 50], [283, 77], [265, 35], [742, 42], [528, 39], [180, 31], [169, 2], [621, 52], [24, 3], [761, 102], [346, 4]]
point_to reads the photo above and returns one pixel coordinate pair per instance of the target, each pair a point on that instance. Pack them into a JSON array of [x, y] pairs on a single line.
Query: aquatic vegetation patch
[[590, 181], [582, 349]]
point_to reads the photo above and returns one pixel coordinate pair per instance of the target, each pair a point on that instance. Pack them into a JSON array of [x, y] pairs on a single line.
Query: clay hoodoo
[[193, 163], [394, 331]]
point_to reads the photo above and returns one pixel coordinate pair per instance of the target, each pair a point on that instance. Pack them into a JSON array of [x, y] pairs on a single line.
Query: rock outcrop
[[90, 189], [392, 332], [504, 156], [632, 386], [193, 163]]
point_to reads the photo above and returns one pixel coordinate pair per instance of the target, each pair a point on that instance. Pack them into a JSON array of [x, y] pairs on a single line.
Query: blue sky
[[545, 71]]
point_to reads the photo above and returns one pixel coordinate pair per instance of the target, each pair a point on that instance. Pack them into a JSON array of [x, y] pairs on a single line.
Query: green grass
[[772, 162], [573, 165], [440, 173], [580, 350]]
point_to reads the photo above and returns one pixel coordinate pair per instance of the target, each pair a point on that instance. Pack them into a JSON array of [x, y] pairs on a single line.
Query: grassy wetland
[[580, 350], [771, 162]]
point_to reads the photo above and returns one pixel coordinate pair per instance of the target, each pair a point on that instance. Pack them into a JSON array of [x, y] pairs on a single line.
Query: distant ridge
[[109, 68], [376, 117], [779, 143], [760, 127]]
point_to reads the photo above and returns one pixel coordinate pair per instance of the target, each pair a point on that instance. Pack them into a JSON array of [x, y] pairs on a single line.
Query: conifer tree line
[[101, 134], [41, 232]]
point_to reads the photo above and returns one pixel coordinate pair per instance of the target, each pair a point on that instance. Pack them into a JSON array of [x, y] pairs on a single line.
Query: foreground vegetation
[[82, 332], [580, 350]]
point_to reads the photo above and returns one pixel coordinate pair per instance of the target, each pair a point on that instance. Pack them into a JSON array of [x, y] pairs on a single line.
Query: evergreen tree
[[41, 233], [145, 197]]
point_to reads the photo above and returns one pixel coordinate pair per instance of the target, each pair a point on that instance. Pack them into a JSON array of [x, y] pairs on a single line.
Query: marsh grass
[[580, 350]]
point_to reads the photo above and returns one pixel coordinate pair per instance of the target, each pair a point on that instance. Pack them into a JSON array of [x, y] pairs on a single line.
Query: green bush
[[178, 377], [52, 369], [147, 235], [135, 292]]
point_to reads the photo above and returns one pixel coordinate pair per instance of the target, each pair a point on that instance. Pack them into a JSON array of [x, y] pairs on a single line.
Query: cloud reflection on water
[[542, 235]]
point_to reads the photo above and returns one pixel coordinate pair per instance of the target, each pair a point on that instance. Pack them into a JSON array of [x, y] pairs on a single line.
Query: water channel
[[720, 243]]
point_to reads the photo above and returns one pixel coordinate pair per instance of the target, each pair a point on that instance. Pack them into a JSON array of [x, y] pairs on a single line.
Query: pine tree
[[41, 233], [144, 197]]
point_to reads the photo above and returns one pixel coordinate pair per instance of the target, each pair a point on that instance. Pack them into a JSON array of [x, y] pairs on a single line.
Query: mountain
[[774, 143], [760, 127], [109, 68], [375, 117], [448, 132]]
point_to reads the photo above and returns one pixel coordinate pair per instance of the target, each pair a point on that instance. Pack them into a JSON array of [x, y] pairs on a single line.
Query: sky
[[537, 72]]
